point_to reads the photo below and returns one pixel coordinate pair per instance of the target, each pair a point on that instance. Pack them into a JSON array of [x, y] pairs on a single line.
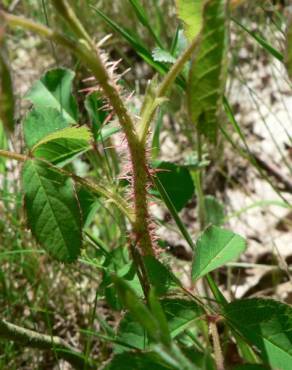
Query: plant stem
[[177, 67], [90, 56], [164, 86], [34, 339], [219, 360], [199, 185], [13, 155]]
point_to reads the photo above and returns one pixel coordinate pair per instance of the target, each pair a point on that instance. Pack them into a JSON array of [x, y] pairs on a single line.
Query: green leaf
[[157, 311], [214, 248], [261, 41], [176, 181], [6, 93], [52, 210], [180, 314], [135, 42], [267, 324], [214, 211], [207, 73], [160, 55], [88, 205], [137, 308], [167, 201], [62, 146], [97, 114], [288, 53], [136, 361], [159, 275], [41, 122], [143, 18], [131, 333], [199, 360], [107, 132], [54, 90], [190, 12]]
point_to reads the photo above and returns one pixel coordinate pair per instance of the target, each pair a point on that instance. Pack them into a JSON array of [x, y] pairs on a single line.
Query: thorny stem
[[90, 56]]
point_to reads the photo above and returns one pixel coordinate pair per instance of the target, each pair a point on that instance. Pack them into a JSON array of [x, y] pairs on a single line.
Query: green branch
[[163, 88], [33, 339]]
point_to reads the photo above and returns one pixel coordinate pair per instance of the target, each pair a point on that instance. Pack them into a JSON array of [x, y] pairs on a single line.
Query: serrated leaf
[[160, 55], [54, 89], [207, 73], [176, 181], [190, 12], [180, 314], [6, 93], [214, 248], [62, 146], [266, 324], [40, 122], [214, 211], [136, 361], [52, 210], [77, 133]]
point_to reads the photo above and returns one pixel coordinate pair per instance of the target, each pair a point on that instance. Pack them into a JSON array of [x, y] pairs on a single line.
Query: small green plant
[[164, 325]]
